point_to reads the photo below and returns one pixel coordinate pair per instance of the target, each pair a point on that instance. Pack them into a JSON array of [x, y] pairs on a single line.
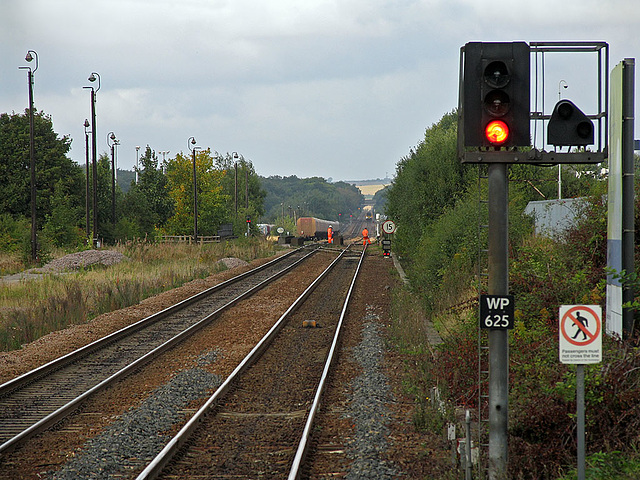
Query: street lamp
[[31, 54], [561, 84], [111, 136], [191, 143], [94, 150], [86, 150], [164, 152], [137, 167], [235, 167]]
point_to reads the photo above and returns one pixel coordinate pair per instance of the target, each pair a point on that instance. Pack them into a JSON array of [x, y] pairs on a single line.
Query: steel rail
[[155, 467], [66, 409], [70, 357], [303, 445]]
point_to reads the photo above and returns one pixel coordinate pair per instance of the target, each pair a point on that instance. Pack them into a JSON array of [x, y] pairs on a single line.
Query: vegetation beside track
[[30, 309], [437, 241]]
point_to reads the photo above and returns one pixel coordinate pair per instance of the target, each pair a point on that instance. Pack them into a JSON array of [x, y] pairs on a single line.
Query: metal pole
[[94, 150], [87, 202], [113, 184], [137, 163], [580, 419], [32, 155], [498, 339], [246, 187], [468, 467], [559, 181], [628, 211], [236, 187], [195, 200]]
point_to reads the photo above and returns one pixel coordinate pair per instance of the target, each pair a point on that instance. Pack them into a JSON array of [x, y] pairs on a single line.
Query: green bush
[[12, 232]]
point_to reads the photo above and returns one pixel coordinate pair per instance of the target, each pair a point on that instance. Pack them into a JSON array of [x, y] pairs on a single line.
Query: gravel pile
[[140, 432], [76, 261], [232, 262], [367, 407]]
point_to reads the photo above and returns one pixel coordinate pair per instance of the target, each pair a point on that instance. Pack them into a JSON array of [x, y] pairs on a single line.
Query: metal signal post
[[494, 118]]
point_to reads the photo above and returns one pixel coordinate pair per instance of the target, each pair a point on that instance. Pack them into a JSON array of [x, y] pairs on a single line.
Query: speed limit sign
[[388, 226]]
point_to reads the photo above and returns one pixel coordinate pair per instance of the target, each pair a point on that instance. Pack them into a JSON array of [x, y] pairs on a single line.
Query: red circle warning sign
[[580, 334], [580, 325]]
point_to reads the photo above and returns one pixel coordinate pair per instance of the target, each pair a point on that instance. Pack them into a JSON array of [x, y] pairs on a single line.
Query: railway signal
[[386, 247], [496, 94], [569, 126]]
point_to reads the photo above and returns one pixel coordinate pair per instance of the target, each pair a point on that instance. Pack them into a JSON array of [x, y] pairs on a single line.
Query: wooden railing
[[189, 239]]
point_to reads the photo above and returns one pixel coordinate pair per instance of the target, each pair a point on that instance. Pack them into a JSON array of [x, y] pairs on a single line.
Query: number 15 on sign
[[496, 311]]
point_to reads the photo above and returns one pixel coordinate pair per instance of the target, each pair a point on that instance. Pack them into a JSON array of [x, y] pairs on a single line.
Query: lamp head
[[92, 78], [86, 123], [31, 54]]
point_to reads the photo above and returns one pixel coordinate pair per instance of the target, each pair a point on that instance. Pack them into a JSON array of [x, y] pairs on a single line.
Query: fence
[[189, 239]]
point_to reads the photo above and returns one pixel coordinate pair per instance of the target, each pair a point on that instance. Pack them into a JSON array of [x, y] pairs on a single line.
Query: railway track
[[32, 402], [258, 423]]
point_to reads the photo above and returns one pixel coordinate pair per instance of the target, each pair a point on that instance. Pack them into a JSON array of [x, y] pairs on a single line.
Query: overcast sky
[[330, 88]]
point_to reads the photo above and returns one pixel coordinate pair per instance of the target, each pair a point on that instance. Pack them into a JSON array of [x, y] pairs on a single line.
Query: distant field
[[370, 190]]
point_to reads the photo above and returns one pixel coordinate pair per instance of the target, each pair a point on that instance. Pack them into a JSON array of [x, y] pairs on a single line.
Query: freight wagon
[[314, 228]]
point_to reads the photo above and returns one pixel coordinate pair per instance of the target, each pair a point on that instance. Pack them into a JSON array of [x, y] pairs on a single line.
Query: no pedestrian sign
[[580, 333]]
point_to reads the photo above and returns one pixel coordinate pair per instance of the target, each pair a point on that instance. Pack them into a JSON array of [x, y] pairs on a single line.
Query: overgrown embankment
[[438, 241]]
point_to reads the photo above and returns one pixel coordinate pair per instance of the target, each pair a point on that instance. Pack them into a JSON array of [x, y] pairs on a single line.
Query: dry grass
[[30, 309], [9, 263], [408, 328]]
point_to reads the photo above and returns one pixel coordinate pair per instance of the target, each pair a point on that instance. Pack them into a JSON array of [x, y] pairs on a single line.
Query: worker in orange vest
[[365, 237], [330, 234]]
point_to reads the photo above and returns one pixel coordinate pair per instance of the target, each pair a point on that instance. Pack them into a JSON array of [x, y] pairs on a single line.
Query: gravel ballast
[[368, 409], [367, 432], [139, 433]]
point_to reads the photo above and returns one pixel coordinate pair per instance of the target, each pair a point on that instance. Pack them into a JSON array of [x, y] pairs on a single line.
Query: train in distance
[[315, 228]]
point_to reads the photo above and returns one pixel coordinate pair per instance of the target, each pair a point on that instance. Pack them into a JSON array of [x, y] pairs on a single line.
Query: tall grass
[[30, 309]]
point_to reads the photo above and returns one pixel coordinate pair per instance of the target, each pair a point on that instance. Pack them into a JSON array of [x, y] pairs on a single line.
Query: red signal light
[[496, 132]]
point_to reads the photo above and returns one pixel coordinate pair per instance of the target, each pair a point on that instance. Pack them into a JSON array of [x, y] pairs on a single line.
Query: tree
[[146, 205], [61, 226], [316, 197], [211, 198], [250, 194], [54, 170], [428, 181]]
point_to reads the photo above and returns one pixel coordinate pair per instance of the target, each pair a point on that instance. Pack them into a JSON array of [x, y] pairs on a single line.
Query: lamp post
[[111, 136], [164, 152], [235, 167], [94, 149], [86, 202], [191, 143], [561, 84], [31, 54], [137, 166], [246, 187]]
